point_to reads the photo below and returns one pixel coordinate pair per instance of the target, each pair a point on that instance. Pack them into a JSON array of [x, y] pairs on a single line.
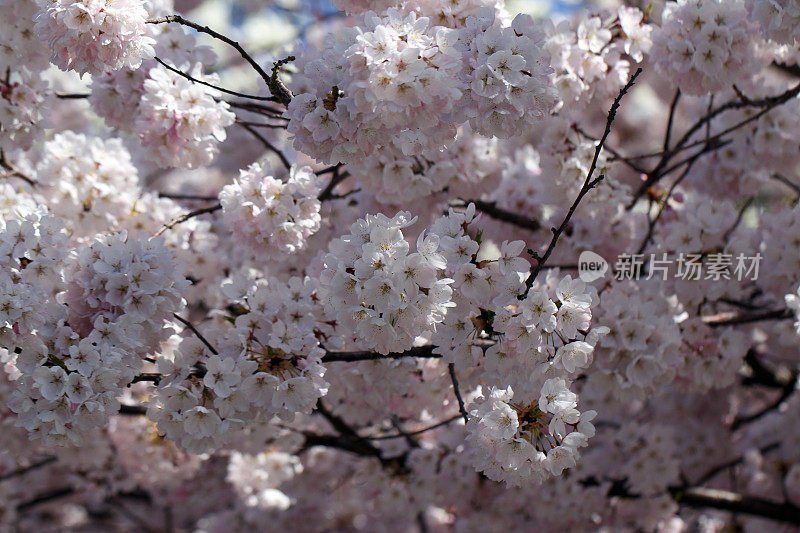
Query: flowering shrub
[[434, 265]]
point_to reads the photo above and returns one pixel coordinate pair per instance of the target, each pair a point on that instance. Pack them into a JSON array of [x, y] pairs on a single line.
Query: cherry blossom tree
[[399, 265]]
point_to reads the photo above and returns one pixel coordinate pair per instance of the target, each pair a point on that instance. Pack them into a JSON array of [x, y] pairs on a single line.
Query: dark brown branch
[[734, 319], [503, 215], [336, 178], [747, 419], [673, 106], [187, 216], [711, 474], [13, 172], [276, 86], [45, 497], [786, 181], [409, 438], [723, 500], [260, 109], [196, 332], [423, 352], [216, 87], [178, 196], [588, 184], [261, 124], [355, 442], [328, 169], [451, 368], [739, 217], [616, 156], [767, 104], [792, 70], [418, 351], [334, 441], [662, 205], [152, 377], [132, 410], [781, 378], [268, 145], [33, 466], [712, 144], [764, 376], [417, 432]]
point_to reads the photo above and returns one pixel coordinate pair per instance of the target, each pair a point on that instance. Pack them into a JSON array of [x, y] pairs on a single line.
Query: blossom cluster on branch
[[413, 265]]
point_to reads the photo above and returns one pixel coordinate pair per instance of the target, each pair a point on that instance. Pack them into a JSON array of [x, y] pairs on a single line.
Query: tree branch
[[451, 368], [196, 332], [734, 319], [588, 185], [132, 410], [767, 104], [187, 216], [337, 177], [417, 432], [503, 215], [12, 171], [268, 145], [29, 468], [417, 351], [277, 88], [724, 500], [215, 87], [45, 497]]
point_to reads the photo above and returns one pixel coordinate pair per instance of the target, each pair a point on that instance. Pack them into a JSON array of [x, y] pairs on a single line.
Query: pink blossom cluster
[[268, 365], [381, 290], [705, 46], [455, 268], [396, 81], [778, 19], [179, 121], [267, 214], [95, 36]]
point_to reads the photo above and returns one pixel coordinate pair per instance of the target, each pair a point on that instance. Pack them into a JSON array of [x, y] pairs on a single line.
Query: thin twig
[[417, 432], [417, 351], [336, 178], [178, 196], [588, 184], [196, 332], [268, 145], [671, 119], [747, 419], [45, 497], [33, 466], [498, 213], [662, 205], [734, 319], [739, 217], [711, 474], [12, 171], [789, 183], [187, 216], [454, 379], [666, 156], [216, 87], [276, 86], [260, 109], [132, 410]]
